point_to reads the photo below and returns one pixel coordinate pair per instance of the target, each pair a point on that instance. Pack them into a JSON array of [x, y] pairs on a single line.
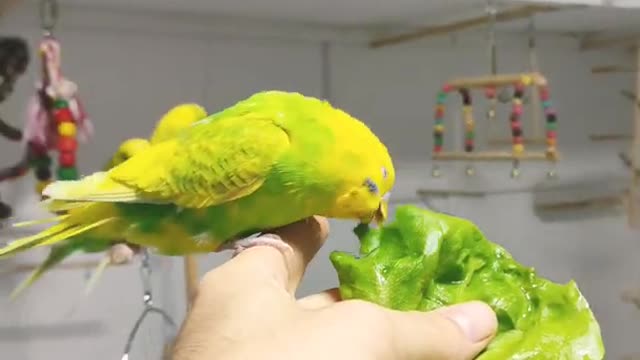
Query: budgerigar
[[118, 250], [271, 159]]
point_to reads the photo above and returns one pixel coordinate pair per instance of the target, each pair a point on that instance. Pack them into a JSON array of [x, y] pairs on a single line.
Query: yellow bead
[[67, 129], [439, 128], [526, 80], [467, 109], [517, 101], [518, 148], [41, 185]]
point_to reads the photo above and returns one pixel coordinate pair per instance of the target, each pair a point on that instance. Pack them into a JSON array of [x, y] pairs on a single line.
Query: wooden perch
[[516, 13], [609, 137], [507, 141], [493, 156], [607, 69], [495, 80], [603, 202], [596, 43]]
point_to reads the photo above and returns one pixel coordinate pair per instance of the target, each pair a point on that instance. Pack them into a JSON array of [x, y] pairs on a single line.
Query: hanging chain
[[147, 298], [145, 273], [48, 15], [493, 56]]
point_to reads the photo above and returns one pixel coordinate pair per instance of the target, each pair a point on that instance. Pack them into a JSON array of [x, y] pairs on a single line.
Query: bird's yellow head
[[367, 171], [127, 149], [176, 119]]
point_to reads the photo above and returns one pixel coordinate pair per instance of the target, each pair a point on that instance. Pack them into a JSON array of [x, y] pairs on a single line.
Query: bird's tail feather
[[56, 256], [90, 217]]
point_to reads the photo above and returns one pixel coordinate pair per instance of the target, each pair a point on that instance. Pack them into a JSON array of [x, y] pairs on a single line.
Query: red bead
[[468, 141], [437, 148], [544, 94], [439, 113], [551, 134], [67, 159], [447, 88], [519, 87], [517, 140], [67, 144], [515, 125], [490, 92], [63, 114]]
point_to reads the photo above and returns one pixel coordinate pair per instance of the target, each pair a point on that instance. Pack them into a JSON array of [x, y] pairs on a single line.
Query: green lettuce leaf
[[425, 260]]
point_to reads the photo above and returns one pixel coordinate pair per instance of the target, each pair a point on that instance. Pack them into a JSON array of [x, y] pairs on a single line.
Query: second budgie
[[271, 159], [117, 250]]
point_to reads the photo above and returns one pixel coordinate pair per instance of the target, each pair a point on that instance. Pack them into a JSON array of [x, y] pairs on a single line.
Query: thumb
[[457, 332]]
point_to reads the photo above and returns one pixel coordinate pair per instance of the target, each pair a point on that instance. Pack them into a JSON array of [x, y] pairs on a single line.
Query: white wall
[[131, 68]]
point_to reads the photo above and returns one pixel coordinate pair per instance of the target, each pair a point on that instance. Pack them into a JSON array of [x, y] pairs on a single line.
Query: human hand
[[246, 309]]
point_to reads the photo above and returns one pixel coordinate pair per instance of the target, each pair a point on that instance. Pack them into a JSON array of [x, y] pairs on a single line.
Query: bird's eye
[[373, 188], [384, 173]]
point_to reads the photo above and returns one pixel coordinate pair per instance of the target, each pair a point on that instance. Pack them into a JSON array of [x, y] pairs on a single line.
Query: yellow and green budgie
[[271, 159], [118, 250]]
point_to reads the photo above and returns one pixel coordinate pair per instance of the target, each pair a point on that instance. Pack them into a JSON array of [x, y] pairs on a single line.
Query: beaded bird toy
[[56, 118], [490, 84]]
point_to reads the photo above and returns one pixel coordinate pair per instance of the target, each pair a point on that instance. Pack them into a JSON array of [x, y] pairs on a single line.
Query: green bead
[[69, 173], [546, 104], [552, 126], [442, 97], [438, 140], [40, 162], [60, 104], [439, 121], [469, 135]]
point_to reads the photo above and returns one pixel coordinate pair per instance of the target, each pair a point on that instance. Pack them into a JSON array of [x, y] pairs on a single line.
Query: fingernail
[[476, 319]]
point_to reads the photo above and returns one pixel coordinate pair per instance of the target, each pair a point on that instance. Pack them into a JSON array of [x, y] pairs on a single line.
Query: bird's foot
[[272, 240]]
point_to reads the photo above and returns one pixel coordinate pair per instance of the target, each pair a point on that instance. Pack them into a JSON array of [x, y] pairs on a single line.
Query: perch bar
[[495, 80], [603, 202], [516, 13], [494, 156], [535, 141], [609, 137], [596, 43]]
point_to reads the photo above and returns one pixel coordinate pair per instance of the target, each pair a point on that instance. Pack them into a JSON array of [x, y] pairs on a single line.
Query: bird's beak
[[381, 214]]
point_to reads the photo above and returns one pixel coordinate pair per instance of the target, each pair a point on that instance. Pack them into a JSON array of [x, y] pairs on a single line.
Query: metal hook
[[147, 298], [48, 15]]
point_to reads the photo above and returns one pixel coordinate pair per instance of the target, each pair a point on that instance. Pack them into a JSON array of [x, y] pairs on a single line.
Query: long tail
[[56, 256], [97, 274], [77, 221]]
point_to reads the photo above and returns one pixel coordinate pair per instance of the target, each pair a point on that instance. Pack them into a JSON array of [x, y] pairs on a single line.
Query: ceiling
[[382, 13]]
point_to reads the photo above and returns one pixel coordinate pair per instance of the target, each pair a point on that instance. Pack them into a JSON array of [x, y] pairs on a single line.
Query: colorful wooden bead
[[67, 173], [67, 144], [437, 148], [447, 88], [518, 148], [40, 185], [62, 115], [66, 159], [490, 92], [60, 103], [526, 80], [67, 129]]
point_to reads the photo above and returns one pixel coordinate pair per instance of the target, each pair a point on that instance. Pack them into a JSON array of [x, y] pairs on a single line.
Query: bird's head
[[127, 149], [367, 199]]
